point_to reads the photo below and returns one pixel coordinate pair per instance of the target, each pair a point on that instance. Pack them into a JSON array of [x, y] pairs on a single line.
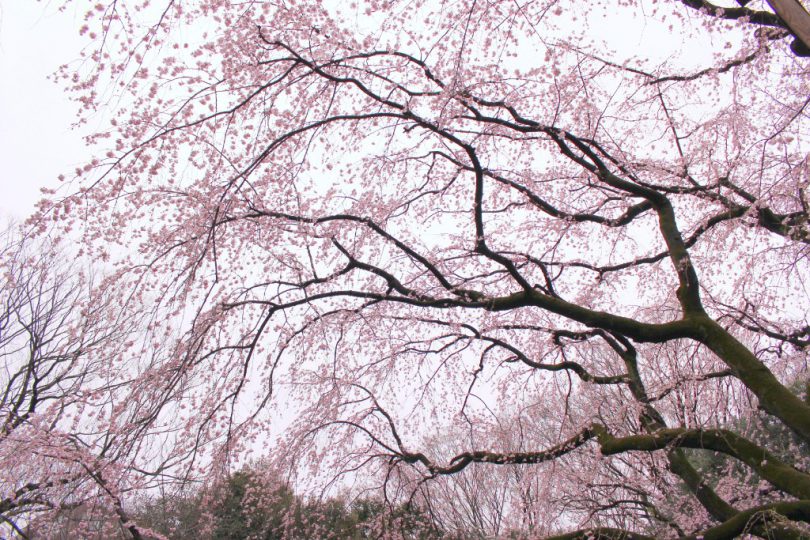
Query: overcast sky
[[36, 140]]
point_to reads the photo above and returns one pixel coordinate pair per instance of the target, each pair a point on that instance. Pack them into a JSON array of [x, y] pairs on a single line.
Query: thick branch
[[797, 20], [461, 461], [765, 464], [774, 397], [765, 518]]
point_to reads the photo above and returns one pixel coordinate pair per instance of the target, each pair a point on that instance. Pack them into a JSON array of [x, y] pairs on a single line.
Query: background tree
[[248, 505], [376, 221], [57, 448]]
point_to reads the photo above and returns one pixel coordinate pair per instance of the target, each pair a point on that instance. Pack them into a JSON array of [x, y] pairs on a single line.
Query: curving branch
[[764, 463]]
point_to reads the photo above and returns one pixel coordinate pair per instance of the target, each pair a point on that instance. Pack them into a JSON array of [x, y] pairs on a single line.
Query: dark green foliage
[[243, 507]]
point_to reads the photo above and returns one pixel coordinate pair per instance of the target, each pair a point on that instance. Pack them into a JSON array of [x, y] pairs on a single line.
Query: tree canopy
[[425, 246]]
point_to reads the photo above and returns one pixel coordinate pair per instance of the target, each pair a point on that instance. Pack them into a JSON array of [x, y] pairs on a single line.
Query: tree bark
[[797, 19]]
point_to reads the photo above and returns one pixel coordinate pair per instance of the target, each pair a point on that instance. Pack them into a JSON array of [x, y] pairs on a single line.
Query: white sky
[[36, 140]]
